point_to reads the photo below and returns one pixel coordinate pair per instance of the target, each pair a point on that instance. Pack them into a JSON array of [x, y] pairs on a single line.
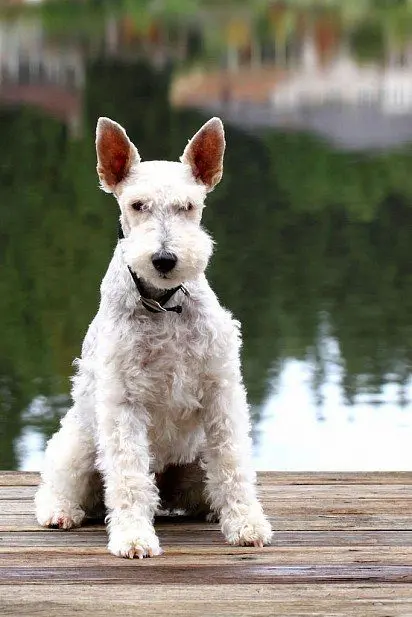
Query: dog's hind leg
[[69, 484]]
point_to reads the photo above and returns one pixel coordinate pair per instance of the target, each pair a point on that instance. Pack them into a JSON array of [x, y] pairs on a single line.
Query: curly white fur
[[155, 389]]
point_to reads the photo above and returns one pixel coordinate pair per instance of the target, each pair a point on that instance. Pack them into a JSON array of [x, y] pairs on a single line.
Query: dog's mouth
[[163, 280], [167, 281], [161, 276], [172, 276]]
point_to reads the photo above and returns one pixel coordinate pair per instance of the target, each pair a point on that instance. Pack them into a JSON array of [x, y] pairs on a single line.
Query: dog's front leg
[[231, 478], [131, 495]]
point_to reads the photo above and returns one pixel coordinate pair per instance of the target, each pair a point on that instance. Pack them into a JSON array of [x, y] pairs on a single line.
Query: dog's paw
[[54, 512], [247, 529], [133, 541]]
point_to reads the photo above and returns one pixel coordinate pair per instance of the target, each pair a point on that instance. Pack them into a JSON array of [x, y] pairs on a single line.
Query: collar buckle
[[152, 305]]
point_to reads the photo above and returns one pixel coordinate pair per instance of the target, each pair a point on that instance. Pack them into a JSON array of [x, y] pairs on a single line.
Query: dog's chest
[[167, 367]]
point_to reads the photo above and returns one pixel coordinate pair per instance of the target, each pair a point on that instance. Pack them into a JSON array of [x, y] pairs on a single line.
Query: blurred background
[[313, 218]]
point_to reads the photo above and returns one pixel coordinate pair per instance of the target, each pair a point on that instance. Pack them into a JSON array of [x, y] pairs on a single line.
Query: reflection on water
[[295, 433], [312, 220]]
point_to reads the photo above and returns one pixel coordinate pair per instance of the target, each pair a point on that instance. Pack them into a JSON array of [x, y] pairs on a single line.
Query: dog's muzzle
[[163, 261]]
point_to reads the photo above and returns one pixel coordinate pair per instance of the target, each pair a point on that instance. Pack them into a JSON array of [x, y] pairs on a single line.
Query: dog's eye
[[138, 206], [188, 207]]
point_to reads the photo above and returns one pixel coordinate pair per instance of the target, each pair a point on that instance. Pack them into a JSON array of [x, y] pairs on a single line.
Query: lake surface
[[313, 218]]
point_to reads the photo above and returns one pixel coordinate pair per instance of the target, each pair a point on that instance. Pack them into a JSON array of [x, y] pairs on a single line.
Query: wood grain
[[276, 492], [19, 478], [216, 555], [290, 478], [246, 573], [342, 546], [267, 478], [308, 600], [344, 520], [197, 536]]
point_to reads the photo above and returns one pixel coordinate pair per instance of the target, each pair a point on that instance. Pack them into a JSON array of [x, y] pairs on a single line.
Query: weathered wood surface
[[342, 546]]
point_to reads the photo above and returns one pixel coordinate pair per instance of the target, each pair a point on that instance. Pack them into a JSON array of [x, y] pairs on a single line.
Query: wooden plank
[[311, 504], [329, 506], [290, 478], [19, 478], [338, 491], [100, 600], [344, 520], [17, 492], [73, 538], [198, 536], [270, 492], [188, 555], [29, 478], [153, 572]]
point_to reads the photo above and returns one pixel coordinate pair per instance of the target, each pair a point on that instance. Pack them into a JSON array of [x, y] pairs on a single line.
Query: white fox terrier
[[159, 408]]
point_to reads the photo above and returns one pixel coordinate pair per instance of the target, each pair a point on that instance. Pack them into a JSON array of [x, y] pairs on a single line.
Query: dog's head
[[161, 202]]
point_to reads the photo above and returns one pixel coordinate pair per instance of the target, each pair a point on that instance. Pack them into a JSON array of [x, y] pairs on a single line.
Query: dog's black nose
[[164, 261]]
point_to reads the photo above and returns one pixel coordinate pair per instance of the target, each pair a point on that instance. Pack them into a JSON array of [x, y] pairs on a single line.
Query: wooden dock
[[342, 546]]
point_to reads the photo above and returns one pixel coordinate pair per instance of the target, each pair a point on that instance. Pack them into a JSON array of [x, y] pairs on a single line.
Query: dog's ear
[[204, 153], [115, 154]]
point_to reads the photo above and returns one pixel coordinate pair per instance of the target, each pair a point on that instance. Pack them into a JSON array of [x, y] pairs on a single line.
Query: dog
[[159, 412]]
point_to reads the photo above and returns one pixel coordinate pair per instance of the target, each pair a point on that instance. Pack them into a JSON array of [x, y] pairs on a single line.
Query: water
[[312, 219]]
